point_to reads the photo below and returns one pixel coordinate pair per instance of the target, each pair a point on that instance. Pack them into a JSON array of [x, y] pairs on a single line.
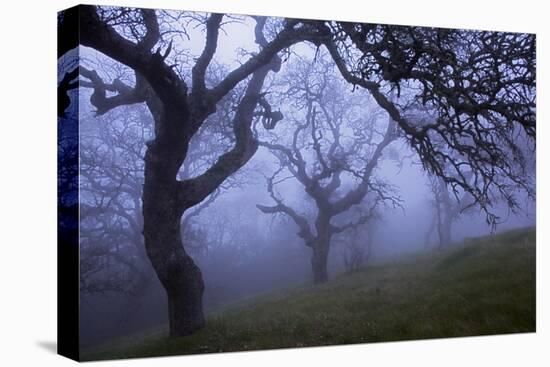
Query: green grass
[[484, 286]]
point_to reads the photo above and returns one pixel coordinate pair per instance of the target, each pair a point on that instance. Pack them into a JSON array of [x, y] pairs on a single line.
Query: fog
[[242, 249]]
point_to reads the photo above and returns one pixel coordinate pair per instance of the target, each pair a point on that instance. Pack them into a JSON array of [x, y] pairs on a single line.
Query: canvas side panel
[[67, 185]]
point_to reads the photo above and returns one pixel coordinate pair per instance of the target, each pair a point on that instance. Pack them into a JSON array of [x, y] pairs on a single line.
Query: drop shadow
[[50, 346]]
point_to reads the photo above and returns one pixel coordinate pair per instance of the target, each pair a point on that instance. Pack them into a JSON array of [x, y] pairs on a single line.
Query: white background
[[28, 183]]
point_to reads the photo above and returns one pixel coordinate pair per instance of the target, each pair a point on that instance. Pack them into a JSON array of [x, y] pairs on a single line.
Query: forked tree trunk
[[162, 211], [165, 200]]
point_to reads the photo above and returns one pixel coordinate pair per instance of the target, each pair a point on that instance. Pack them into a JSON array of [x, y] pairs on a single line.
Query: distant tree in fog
[[111, 170], [358, 247], [446, 210], [331, 154]]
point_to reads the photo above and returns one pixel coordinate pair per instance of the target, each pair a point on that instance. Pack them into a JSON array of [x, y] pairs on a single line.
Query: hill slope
[[485, 286]]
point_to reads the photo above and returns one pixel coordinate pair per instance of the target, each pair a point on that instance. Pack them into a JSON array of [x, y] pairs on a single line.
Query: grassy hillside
[[484, 286]]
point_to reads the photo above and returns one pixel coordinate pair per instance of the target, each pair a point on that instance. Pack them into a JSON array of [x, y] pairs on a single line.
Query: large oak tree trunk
[[185, 300], [163, 207], [165, 199], [179, 275]]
